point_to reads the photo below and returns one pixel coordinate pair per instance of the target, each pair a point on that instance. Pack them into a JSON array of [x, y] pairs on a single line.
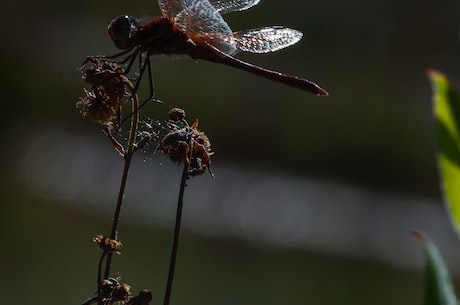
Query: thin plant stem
[[99, 272], [172, 263], [128, 156], [90, 301]]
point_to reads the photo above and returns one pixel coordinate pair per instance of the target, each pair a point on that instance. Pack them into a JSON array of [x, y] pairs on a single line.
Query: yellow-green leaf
[[447, 114]]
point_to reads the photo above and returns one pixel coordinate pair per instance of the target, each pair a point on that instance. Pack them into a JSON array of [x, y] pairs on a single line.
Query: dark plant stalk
[[128, 156], [172, 263], [99, 272]]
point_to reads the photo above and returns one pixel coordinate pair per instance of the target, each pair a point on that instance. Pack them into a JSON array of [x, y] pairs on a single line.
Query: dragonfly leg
[[132, 59], [151, 83], [145, 64], [142, 66]]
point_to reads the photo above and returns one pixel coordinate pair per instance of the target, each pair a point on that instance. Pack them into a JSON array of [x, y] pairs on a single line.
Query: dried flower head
[[177, 114], [108, 86], [187, 144], [143, 298], [107, 244], [112, 291]]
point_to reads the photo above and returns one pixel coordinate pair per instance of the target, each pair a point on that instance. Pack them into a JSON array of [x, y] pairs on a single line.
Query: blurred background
[[314, 197]]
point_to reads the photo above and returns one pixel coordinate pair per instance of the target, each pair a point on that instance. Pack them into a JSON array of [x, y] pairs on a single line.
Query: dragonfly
[[196, 28]]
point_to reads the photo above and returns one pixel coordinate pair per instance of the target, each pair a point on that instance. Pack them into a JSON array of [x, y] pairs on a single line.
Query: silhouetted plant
[[103, 103], [182, 142], [190, 146]]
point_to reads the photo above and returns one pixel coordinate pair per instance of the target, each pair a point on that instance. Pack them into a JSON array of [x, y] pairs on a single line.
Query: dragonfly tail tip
[[321, 91]]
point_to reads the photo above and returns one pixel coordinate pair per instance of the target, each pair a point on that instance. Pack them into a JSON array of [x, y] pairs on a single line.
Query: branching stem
[[127, 157]]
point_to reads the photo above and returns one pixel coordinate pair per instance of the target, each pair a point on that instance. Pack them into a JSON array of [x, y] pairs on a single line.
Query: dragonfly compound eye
[[123, 31]]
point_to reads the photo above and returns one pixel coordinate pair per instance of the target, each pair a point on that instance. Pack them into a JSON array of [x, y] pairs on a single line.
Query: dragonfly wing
[[228, 6], [267, 39], [200, 19], [170, 8]]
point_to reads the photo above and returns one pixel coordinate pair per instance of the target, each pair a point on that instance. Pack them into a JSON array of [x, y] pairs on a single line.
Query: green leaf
[[447, 113], [438, 289]]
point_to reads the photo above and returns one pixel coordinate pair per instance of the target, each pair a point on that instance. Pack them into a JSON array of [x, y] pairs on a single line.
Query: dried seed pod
[[107, 244], [177, 114], [187, 144], [112, 291], [143, 298], [108, 86]]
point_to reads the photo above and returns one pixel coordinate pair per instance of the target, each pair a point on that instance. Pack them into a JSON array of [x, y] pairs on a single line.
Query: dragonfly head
[[123, 30]]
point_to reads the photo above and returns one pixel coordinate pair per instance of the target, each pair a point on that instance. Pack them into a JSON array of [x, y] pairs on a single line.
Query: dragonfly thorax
[[161, 36]]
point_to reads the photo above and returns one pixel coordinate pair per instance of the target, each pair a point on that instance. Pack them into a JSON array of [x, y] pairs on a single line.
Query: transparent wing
[[170, 8], [200, 19], [267, 39], [228, 6]]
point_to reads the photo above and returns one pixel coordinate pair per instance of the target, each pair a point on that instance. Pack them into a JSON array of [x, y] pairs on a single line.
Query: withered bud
[[190, 145], [177, 114], [143, 298], [108, 86], [107, 244], [113, 291], [121, 293], [98, 107]]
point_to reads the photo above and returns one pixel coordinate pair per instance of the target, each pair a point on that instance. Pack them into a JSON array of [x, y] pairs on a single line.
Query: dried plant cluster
[[185, 143], [101, 102], [110, 90], [194, 28]]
